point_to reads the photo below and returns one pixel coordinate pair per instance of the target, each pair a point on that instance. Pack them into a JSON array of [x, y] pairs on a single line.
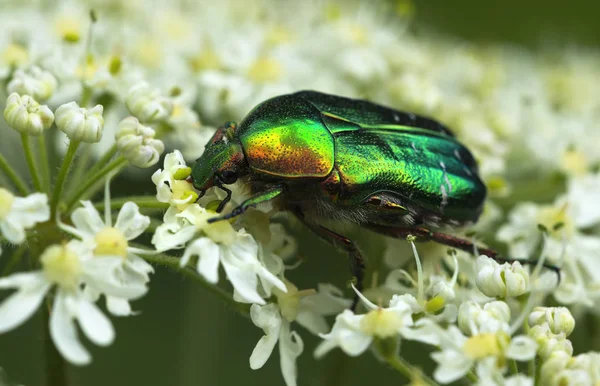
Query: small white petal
[[94, 324], [13, 231], [290, 347], [87, 219], [208, 259], [521, 348], [131, 222], [18, 307], [118, 306], [269, 319], [244, 281], [64, 333]]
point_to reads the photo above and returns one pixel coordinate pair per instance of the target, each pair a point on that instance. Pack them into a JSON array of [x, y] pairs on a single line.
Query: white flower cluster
[[129, 82], [98, 261]]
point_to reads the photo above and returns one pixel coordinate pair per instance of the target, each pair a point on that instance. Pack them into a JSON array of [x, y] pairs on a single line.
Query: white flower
[[237, 253], [26, 115], [20, 213], [79, 123], [276, 329], [354, 333], [147, 104], [137, 144], [506, 280], [559, 319], [35, 82], [109, 245], [171, 184], [459, 353], [63, 268]]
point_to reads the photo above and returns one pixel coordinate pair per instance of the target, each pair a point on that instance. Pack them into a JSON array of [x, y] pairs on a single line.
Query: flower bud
[[26, 115], [137, 144], [559, 319], [35, 82], [147, 104], [492, 317], [550, 343], [79, 123], [506, 280]]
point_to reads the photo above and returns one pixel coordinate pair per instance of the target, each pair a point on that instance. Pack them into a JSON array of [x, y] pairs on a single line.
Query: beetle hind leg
[[357, 263], [423, 234]]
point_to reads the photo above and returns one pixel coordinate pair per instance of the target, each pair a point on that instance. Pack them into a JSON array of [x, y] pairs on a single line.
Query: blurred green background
[[184, 336]]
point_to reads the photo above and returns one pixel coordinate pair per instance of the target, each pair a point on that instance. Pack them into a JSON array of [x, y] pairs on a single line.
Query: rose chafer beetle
[[328, 158]]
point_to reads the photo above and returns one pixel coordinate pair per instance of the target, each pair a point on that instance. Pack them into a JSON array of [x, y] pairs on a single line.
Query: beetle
[[325, 157]]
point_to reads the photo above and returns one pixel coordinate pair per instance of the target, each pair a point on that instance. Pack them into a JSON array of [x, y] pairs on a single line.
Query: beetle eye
[[228, 176]]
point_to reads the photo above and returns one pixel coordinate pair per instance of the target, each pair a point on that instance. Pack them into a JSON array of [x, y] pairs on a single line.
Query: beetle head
[[222, 161]]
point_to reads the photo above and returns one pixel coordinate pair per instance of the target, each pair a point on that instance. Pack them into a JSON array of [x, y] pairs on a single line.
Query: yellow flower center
[[182, 173], [205, 60], [62, 266], [69, 29], [110, 241], [574, 162], [484, 345], [148, 53], [288, 301], [381, 323], [183, 190], [265, 70], [15, 55], [6, 202], [357, 34], [435, 304], [278, 35], [556, 220]]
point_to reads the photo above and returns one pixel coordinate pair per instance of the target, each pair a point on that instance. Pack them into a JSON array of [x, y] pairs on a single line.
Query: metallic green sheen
[[378, 149], [285, 137]]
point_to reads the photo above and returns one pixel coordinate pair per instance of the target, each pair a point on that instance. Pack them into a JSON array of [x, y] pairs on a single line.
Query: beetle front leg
[[423, 234], [357, 263], [261, 197]]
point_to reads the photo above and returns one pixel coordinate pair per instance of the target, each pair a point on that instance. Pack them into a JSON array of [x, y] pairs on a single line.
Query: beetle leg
[[423, 234], [264, 196], [357, 263]]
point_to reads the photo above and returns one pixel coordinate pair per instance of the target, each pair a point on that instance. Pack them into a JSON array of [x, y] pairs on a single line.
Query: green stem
[[514, 369], [103, 161], [173, 263], [13, 176], [31, 161], [56, 368], [62, 175], [45, 163], [86, 95], [472, 377], [80, 166], [93, 179], [15, 258], [141, 201], [408, 370]]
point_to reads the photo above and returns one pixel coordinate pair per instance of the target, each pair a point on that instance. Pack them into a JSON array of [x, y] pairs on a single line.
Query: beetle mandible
[[325, 157]]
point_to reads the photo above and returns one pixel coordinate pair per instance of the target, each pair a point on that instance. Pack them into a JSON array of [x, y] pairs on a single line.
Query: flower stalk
[[16, 180], [31, 164], [62, 175]]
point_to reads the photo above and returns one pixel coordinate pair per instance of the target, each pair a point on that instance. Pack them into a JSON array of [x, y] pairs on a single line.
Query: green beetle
[[326, 157]]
